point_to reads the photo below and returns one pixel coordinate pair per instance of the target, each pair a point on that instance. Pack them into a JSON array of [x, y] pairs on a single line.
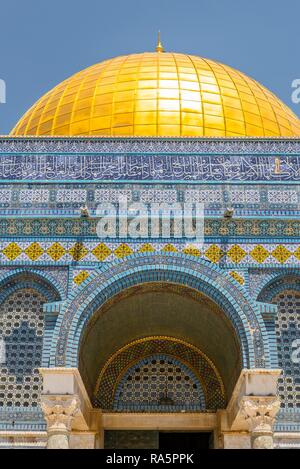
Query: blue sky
[[44, 42]]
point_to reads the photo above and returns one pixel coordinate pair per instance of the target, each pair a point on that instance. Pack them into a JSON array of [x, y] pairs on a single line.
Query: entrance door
[[153, 439], [178, 441]]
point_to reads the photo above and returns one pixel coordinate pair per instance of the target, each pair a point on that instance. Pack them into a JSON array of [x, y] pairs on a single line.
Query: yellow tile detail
[[259, 254], [101, 252], [281, 254], [169, 248], [236, 253], [146, 248], [237, 277], [214, 253], [122, 251], [34, 251], [56, 251], [81, 277], [78, 251], [12, 251], [192, 251], [297, 253]]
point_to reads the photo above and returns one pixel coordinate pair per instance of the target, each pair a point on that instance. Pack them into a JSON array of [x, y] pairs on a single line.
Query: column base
[[262, 441]]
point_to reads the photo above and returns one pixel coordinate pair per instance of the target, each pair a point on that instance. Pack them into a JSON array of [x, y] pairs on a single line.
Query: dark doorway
[[178, 441], [131, 439], [153, 439]]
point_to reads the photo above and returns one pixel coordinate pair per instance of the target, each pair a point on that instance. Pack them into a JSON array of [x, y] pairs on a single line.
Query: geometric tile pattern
[[61, 227], [53, 196], [22, 328], [159, 382], [101, 252], [34, 251], [56, 251], [67, 252], [123, 250], [288, 342], [114, 369], [259, 253], [214, 253], [281, 254], [10, 145], [12, 251], [255, 239], [236, 253]]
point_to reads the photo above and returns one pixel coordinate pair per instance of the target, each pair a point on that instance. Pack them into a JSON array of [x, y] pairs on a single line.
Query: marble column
[[259, 413], [59, 412]]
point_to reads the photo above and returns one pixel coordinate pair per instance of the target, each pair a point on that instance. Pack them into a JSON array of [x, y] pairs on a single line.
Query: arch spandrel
[[52, 289], [277, 281]]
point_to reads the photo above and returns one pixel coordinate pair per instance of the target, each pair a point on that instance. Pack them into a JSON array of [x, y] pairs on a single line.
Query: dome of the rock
[[159, 94]]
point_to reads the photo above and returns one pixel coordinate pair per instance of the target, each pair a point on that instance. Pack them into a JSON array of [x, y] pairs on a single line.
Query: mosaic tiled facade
[[56, 274]]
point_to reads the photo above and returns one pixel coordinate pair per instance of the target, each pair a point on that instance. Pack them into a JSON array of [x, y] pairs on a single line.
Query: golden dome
[[159, 94]]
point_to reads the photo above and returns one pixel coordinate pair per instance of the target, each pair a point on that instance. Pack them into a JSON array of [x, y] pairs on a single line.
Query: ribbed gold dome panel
[[159, 94]]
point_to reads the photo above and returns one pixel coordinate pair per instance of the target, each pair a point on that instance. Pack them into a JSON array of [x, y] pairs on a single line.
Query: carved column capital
[[59, 412], [259, 412]]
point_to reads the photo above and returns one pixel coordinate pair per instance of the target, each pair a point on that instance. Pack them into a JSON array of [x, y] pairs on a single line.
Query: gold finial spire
[[159, 47]]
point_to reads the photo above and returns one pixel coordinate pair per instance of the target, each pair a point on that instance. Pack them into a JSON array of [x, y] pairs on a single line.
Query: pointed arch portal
[[216, 315]]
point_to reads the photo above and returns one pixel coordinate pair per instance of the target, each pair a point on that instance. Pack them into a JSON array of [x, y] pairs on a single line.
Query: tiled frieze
[[222, 229], [247, 254], [241, 146], [112, 195], [67, 199], [147, 167], [24, 418]]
